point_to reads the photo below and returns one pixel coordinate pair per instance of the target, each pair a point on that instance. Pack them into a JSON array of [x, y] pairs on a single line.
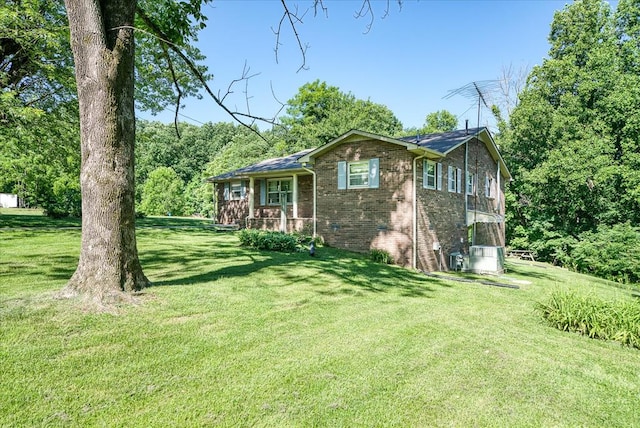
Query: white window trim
[[425, 175], [488, 187], [235, 190], [451, 179], [366, 175], [289, 192], [471, 184]]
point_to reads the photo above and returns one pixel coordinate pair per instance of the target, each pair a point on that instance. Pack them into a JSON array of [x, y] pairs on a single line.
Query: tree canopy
[[573, 142]]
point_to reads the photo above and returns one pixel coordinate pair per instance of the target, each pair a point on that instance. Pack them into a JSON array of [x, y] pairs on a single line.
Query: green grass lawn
[[232, 337]]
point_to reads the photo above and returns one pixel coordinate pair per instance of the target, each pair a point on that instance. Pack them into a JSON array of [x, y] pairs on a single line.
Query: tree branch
[[293, 18], [158, 33], [367, 9], [175, 82]]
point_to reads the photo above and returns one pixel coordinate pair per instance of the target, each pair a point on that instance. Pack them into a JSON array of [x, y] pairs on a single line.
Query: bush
[[162, 193], [593, 317], [380, 256], [611, 252], [65, 199], [266, 240]]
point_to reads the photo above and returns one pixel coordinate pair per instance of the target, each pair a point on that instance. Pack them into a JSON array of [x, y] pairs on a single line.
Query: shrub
[[593, 317], [162, 193], [266, 240], [380, 256], [611, 252]]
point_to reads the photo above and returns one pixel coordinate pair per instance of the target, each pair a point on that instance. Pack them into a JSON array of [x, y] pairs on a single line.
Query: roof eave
[[257, 174]]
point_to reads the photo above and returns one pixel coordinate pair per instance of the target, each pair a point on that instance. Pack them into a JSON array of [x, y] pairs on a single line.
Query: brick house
[[419, 198]]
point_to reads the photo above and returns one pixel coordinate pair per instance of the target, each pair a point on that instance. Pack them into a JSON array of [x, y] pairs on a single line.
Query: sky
[[410, 60]]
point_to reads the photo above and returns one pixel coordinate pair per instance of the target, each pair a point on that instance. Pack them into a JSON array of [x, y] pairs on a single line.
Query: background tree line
[[572, 142], [170, 170]]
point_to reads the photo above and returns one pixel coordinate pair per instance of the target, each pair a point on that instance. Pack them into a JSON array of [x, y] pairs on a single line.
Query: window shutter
[[243, 190], [227, 191], [374, 173], [439, 171], [459, 180], [342, 175], [263, 191], [424, 173]]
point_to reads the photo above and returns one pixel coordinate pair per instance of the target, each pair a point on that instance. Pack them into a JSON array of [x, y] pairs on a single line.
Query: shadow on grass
[[529, 270], [318, 272]]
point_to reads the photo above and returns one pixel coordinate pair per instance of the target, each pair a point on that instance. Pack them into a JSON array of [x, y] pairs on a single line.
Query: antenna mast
[[477, 90]]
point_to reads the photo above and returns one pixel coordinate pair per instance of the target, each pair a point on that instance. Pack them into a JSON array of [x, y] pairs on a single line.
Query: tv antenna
[[479, 91]]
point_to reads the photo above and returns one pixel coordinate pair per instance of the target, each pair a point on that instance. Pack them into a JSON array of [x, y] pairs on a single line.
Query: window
[[470, 183], [359, 174], [488, 187], [451, 179], [429, 174], [277, 187], [234, 191]]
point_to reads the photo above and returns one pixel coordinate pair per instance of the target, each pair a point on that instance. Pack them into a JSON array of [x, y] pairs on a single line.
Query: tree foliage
[[162, 193], [573, 143], [319, 112], [39, 139], [440, 121]]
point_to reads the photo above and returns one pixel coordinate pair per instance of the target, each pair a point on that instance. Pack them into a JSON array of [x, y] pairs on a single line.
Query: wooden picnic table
[[522, 254]]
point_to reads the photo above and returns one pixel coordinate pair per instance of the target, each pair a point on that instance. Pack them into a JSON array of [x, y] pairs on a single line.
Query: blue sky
[[408, 61]]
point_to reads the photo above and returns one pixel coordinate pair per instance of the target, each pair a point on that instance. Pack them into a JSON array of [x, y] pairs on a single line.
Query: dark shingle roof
[[285, 163], [443, 142]]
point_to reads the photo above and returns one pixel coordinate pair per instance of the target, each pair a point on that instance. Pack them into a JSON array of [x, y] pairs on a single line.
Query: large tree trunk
[[103, 49]]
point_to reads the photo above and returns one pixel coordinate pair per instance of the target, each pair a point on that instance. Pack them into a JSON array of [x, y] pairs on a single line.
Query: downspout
[[315, 200], [466, 180], [415, 212]]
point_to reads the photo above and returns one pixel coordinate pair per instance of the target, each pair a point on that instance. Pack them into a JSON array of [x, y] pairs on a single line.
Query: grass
[[235, 337], [33, 218]]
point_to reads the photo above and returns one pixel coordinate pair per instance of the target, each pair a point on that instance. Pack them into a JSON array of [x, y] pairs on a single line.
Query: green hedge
[[594, 317], [273, 241]]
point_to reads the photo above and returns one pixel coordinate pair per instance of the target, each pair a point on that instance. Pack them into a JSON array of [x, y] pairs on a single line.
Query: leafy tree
[[573, 140], [320, 112], [163, 193], [39, 138], [440, 121]]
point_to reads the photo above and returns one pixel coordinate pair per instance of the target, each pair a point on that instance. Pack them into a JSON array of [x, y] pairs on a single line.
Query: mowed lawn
[[233, 337]]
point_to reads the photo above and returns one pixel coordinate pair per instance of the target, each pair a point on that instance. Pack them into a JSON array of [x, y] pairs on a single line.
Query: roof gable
[[446, 142], [356, 135]]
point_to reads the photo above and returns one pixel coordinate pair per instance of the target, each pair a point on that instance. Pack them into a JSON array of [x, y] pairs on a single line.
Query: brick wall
[[363, 219], [231, 212], [440, 217], [482, 164]]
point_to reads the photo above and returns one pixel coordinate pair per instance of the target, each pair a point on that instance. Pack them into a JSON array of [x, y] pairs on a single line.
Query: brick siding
[[363, 219]]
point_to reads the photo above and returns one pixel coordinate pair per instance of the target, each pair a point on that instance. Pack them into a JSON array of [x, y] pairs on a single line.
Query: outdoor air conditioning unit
[[486, 259]]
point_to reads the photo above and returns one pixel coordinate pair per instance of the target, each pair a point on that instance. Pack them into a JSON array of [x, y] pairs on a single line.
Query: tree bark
[[103, 48]]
